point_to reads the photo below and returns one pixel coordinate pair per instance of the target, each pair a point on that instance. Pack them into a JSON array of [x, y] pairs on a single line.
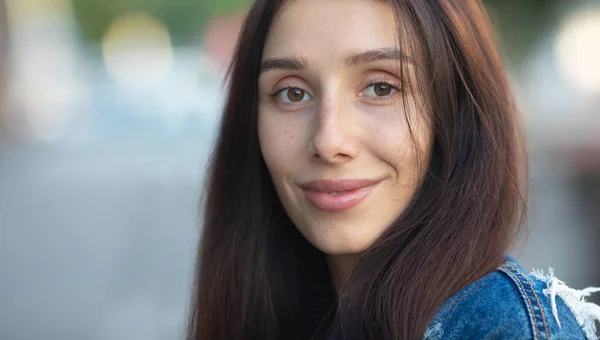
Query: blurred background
[[109, 112]]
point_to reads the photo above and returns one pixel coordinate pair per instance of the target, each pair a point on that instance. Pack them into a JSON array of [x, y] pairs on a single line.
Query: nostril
[[334, 158]]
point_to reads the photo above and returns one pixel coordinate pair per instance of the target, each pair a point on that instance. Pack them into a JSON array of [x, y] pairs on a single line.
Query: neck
[[341, 267]]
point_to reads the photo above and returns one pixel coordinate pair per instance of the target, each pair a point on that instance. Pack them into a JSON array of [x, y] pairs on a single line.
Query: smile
[[337, 195]]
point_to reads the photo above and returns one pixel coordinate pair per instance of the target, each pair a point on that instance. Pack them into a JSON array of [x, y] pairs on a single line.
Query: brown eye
[[295, 94], [292, 95], [382, 90]]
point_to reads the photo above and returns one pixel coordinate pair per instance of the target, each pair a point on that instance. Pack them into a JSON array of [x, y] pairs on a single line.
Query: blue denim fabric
[[508, 304], [511, 304]]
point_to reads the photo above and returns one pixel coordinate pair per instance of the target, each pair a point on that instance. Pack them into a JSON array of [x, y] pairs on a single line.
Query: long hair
[[258, 278]]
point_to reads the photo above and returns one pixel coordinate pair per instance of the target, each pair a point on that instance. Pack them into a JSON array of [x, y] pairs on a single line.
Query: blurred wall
[[3, 51]]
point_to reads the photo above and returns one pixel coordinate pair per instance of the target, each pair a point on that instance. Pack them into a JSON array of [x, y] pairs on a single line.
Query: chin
[[340, 242]]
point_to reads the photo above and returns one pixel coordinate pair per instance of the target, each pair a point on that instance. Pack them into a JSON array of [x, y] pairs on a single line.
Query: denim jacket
[[511, 304]]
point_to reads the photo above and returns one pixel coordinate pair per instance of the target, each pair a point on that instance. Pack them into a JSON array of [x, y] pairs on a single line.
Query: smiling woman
[[366, 182], [332, 124]]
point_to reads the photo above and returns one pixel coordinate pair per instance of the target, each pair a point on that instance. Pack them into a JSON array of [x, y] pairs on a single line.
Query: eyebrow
[[284, 64], [355, 59], [370, 56]]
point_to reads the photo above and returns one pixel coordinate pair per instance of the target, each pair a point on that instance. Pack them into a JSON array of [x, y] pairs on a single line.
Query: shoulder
[[511, 304]]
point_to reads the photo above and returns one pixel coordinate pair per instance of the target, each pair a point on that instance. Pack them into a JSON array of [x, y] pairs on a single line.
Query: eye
[[292, 95], [379, 89]]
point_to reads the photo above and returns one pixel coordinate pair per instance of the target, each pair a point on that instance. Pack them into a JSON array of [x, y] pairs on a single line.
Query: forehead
[[331, 28]]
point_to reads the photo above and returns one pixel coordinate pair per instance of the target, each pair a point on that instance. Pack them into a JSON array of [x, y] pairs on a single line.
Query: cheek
[[405, 149], [278, 144]]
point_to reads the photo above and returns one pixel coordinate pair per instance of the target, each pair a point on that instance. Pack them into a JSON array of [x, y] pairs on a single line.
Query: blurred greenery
[[225, 6], [185, 19], [521, 23]]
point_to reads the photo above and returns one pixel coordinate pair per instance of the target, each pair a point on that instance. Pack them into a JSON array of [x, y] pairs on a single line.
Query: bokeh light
[[137, 51], [21, 12], [578, 51]]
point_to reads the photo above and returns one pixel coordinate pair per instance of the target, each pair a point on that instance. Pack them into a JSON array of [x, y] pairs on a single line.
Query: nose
[[334, 140]]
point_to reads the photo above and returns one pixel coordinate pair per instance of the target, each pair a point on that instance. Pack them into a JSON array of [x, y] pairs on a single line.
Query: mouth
[[338, 195]]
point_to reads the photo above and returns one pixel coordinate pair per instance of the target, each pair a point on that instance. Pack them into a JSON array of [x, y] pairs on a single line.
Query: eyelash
[[395, 87], [283, 87], [280, 88]]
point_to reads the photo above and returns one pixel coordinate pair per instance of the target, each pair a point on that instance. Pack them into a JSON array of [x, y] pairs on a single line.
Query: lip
[[318, 193]]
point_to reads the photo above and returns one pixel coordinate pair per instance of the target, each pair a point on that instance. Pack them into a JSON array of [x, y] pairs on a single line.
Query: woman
[[366, 182]]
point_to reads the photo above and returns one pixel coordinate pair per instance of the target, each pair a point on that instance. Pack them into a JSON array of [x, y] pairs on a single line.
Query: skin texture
[[331, 120]]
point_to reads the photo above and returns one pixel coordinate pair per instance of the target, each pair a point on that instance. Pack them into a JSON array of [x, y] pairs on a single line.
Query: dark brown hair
[[258, 278]]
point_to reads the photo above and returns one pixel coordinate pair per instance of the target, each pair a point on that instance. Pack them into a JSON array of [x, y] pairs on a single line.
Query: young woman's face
[[332, 125]]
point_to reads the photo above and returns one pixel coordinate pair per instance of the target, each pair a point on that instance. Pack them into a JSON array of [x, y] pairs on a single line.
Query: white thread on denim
[[585, 312], [434, 333]]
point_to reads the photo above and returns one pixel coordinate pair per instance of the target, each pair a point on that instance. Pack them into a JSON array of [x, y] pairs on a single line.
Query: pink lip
[[318, 193]]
